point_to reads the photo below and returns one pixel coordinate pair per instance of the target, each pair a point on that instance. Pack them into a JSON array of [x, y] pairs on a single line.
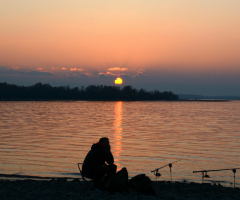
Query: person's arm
[[108, 147], [109, 156]]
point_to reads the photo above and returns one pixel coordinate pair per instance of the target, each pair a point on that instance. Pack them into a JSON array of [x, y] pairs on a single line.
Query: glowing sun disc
[[118, 81]]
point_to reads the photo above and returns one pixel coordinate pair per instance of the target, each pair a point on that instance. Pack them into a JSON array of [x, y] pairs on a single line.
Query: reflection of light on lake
[[117, 130]]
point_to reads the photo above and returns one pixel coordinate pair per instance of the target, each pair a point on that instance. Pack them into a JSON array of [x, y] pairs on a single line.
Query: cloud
[[108, 75], [118, 69], [15, 68], [122, 72], [141, 75], [66, 71], [23, 72], [75, 69], [23, 76], [127, 77]]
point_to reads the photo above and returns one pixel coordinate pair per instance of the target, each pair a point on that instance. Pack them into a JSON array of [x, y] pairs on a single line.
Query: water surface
[[50, 138]]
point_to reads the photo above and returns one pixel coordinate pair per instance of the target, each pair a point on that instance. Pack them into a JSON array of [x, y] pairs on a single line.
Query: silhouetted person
[[99, 161]]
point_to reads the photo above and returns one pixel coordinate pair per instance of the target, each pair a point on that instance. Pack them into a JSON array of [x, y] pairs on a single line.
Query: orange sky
[[141, 35]]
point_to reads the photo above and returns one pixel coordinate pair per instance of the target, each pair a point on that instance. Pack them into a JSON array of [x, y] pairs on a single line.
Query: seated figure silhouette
[[99, 162]]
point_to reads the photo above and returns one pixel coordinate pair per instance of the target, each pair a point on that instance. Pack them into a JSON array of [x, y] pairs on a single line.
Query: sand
[[75, 189]]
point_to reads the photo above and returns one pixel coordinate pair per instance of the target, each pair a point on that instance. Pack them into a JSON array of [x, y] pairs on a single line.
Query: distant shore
[[45, 92], [25, 189], [206, 100]]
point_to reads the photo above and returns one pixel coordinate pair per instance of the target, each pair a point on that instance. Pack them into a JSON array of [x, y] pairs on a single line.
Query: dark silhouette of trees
[[41, 91]]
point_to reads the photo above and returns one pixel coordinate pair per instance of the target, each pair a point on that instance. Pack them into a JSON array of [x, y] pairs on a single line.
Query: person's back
[[94, 165]]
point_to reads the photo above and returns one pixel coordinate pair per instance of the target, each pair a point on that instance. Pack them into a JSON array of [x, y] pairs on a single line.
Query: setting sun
[[118, 81]]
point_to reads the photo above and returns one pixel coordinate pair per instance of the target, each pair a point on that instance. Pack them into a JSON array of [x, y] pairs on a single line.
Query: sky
[[183, 46]]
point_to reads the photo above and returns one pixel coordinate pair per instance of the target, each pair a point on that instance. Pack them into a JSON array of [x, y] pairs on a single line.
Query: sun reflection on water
[[117, 124]]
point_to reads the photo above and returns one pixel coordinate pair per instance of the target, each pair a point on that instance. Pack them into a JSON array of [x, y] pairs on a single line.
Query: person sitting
[[99, 161]]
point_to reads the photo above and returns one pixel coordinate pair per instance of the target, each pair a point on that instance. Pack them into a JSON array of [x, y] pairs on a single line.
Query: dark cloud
[[13, 72], [127, 77], [179, 82], [106, 77]]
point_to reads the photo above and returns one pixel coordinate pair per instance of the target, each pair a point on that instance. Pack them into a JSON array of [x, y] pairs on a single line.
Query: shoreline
[[62, 188], [90, 100]]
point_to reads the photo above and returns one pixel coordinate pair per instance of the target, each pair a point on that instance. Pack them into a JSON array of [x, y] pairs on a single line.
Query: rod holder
[[234, 173], [157, 174], [205, 175]]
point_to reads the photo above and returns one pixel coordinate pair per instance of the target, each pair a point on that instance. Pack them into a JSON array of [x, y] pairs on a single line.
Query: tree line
[[40, 91]]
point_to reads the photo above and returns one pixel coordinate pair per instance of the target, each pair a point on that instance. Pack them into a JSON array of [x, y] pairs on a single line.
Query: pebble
[[71, 190]]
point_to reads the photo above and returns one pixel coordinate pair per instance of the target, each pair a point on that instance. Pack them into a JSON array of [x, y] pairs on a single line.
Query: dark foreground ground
[[75, 189]]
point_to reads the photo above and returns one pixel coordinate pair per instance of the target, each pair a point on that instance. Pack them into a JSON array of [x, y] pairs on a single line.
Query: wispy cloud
[[122, 72], [118, 69], [76, 69]]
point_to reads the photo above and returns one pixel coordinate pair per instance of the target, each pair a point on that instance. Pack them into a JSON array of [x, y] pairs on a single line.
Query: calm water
[[50, 138]]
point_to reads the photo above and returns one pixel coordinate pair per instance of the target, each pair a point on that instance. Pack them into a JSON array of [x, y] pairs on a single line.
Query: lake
[[50, 138]]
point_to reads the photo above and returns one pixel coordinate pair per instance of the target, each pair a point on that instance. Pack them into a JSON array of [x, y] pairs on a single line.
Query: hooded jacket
[[96, 159]]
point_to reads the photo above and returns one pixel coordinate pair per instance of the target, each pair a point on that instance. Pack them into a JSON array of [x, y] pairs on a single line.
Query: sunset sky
[[183, 46]]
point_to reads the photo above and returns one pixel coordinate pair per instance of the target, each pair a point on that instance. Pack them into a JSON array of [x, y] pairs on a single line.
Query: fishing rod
[[157, 174], [205, 175]]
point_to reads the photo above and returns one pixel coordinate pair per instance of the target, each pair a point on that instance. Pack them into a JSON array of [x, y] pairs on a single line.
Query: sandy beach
[[27, 189]]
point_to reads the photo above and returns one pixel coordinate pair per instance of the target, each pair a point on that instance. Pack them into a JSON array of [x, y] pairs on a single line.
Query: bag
[[142, 183], [118, 182]]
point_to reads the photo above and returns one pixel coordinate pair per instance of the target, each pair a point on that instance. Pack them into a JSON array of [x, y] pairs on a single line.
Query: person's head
[[104, 141]]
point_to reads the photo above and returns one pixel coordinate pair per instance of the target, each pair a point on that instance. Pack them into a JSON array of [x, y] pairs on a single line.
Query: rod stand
[[234, 173], [204, 175], [170, 167], [157, 174], [204, 172]]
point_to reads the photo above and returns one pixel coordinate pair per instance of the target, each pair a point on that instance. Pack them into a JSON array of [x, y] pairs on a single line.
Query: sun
[[118, 81]]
